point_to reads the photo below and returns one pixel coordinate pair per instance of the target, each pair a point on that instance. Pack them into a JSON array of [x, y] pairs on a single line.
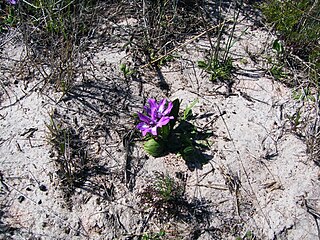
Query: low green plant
[[219, 64], [277, 71], [298, 26], [167, 188], [303, 94], [59, 137], [295, 119], [8, 17], [161, 60], [297, 22], [165, 196], [126, 71], [64, 86], [54, 33], [166, 131], [278, 47], [71, 156], [187, 113], [248, 236], [218, 70], [154, 236]]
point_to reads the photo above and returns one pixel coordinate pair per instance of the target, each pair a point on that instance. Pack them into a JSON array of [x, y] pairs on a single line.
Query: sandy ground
[[258, 178]]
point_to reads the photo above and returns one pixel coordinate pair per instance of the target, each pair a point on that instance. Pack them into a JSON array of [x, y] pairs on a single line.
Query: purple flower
[[12, 2], [156, 116]]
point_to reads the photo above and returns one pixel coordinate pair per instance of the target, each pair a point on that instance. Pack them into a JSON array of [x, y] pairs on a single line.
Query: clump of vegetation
[[54, 20], [165, 23], [218, 70], [247, 236], [298, 48], [71, 156], [219, 63], [298, 26], [55, 33], [167, 131], [7, 15], [277, 69], [165, 201], [154, 236], [165, 197]]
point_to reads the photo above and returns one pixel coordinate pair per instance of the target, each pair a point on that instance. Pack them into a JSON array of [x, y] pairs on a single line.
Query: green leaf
[[277, 46], [188, 150], [162, 233], [154, 148], [297, 118], [202, 65], [188, 112], [296, 95], [249, 235], [165, 131], [122, 67], [145, 237], [174, 112]]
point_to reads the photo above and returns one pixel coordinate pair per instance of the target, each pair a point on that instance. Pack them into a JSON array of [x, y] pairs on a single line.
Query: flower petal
[[147, 110], [13, 2], [161, 106], [144, 128], [144, 132], [152, 103], [154, 131], [168, 110], [163, 121], [154, 116], [144, 118]]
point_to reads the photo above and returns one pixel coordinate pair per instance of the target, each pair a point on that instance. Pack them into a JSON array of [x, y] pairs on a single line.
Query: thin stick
[[30, 4]]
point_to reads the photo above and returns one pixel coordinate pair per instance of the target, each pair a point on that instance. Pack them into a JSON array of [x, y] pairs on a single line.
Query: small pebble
[[43, 188], [67, 230], [21, 199]]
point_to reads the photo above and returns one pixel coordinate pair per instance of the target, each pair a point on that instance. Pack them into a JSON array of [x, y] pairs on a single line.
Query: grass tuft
[[298, 26], [71, 155]]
